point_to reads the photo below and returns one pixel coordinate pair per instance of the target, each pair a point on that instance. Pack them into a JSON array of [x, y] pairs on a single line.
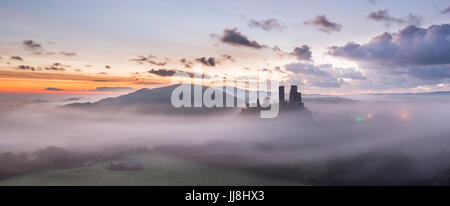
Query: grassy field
[[158, 170]]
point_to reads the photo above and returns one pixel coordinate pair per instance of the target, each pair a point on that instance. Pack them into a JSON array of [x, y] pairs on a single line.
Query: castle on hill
[[294, 103]]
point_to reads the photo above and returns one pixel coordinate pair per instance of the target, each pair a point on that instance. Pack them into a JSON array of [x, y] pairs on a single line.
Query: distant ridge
[[157, 100], [418, 93]]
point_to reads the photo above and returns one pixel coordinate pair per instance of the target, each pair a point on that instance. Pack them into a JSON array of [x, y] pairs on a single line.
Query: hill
[[157, 100]]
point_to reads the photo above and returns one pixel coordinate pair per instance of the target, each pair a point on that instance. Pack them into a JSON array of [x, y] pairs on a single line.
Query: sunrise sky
[[324, 46]]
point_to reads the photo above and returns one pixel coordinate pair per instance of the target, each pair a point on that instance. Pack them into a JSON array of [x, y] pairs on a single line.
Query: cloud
[[446, 10], [32, 45], [16, 58], [63, 76], [307, 69], [54, 68], [324, 75], [409, 58], [323, 24], [430, 72], [409, 46], [373, 2], [163, 72], [107, 66], [349, 73], [235, 38], [53, 89], [24, 67], [112, 89], [267, 25], [302, 53], [384, 16], [150, 59], [211, 61], [170, 72]]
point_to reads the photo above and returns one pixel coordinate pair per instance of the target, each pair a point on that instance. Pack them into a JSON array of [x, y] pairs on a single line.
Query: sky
[[323, 46]]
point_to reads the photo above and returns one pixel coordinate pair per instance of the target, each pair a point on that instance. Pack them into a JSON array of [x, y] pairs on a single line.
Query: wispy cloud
[[235, 38], [53, 89], [267, 25], [323, 24], [384, 16], [16, 58]]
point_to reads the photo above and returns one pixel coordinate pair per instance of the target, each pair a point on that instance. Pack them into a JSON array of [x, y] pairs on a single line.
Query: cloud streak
[[53, 89], [267, 25], [323, 24], [235, 38], [384, 16], [32, 45]]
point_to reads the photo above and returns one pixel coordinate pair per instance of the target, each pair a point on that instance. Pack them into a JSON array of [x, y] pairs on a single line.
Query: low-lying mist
[[366, 141]]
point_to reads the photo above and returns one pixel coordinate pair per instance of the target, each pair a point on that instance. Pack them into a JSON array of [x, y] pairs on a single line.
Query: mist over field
[[350, 140]]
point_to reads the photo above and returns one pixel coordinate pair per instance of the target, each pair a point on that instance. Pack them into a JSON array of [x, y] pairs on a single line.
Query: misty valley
[[139, 139]]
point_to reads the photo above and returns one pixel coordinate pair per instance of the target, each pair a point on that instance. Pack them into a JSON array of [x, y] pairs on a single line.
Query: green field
[[158, 170]]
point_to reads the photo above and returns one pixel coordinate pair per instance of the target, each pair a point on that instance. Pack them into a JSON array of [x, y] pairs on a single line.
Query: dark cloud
[[211, 61], [384, 16], [16, 58], [107, 66], [163, 72], [302, 53], [54, 68], [446, 10], [324, 24], [112, 89], [53, 89], [409, 46], [235, 38], [32, 45], [57, 64], [267, 25], [170, 72], [410, 57], [25, 67], [150, 59]]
